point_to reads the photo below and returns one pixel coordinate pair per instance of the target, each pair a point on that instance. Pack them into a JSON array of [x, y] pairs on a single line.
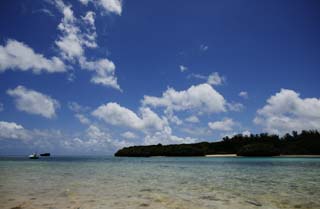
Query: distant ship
[[47, 154], [33, 156]]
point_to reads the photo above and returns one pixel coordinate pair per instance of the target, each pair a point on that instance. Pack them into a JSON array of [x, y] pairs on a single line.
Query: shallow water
[[175, 183]]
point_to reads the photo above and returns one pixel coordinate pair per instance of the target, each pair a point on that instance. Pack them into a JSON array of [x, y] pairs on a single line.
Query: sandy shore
[[222, 155], [235, 155]]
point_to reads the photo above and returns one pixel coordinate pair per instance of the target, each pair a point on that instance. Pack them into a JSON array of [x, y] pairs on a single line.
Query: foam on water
[[108, 182]]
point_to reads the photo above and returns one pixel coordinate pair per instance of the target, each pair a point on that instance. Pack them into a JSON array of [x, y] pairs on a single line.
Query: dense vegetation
[[304, 143]]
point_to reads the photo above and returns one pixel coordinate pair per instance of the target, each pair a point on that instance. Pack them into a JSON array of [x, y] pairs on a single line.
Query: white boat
[[34, 156]]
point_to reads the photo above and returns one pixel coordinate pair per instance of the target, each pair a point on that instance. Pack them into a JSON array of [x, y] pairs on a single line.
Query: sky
[[92, 76]]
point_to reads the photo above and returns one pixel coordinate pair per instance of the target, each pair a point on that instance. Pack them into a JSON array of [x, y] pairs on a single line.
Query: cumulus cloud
[[108, 6], [95, 140], [235, 106], [104, 72], [11, 130], [92, 140], [71, 42], [16, 55], [243, 94], [129, 135], [75, 107], [114, 114], [76, 35], [214, 79], [183, 68], [246, 133], [166, 137], [287, 111], [34, 102], [193, 119], [89, 18], [74, 40], [155, 128], [113, 6], [202, 98], [172, 117], [223, 125], [82, 118], [85, 2]]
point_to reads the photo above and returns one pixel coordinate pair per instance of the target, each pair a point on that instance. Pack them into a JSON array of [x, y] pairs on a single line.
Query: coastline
[[302, 156], [222, 155], [288, 156]]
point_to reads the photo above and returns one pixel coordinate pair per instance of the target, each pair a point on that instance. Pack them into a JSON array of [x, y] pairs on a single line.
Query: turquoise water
[[177, 183]]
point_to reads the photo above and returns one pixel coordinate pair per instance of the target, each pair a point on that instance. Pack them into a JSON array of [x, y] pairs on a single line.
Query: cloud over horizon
[[286, 111]]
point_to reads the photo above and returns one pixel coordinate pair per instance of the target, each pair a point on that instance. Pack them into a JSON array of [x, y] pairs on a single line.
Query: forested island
[[264, 144]]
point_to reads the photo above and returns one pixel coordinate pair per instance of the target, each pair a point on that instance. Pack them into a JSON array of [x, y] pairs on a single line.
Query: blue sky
[[92, 76]]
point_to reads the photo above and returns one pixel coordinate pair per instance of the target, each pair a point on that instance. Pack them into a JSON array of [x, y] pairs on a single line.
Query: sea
[[159, 182]]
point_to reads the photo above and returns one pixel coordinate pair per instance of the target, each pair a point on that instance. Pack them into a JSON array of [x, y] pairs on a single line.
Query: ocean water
[[159, 182]]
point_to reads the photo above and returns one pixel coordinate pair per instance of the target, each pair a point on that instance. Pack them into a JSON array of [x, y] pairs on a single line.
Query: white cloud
[[193, 119], [108, 6], [112, 6], [243, 94], [215, 79], [204, 47], [172, 117], [156, 129], [85, 2], [75, 107], [70, 42], [89, 18], [114, 114], [93, 132], [104, 72], [101, 139], [223, 125], [94, 140], [34, 102], [202, 98], [235, 106], [246, 133], [287, 111], [73, 42], [129, 135], [11, 130], [83, 119], [16, 55], [183, 68], [165, 137]]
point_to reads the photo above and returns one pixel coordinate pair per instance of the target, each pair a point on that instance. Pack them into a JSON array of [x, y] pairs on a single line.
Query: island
[[304, 143]]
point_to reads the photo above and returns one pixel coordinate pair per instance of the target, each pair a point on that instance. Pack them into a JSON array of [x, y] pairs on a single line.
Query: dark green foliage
[[258, 149], [307, 143]]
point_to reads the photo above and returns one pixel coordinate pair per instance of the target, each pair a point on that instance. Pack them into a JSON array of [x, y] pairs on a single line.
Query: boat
[[47, 154], [34, 156]]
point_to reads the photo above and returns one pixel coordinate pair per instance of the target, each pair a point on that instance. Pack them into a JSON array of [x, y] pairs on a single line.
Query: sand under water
[[159, 183]]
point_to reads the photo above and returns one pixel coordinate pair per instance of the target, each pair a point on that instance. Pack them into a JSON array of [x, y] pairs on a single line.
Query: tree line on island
[[264, 144]]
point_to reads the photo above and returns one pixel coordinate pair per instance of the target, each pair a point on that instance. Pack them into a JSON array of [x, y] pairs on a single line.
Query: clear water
[[175, 183]]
